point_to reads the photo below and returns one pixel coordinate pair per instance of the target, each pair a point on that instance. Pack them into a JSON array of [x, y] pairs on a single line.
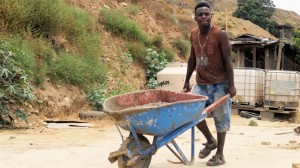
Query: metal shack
[[253, 51], [266, 73]]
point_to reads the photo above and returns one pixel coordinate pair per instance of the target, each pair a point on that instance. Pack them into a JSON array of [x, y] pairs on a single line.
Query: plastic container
[[282, 89], [249, 83], [172, 78], [177, 64]]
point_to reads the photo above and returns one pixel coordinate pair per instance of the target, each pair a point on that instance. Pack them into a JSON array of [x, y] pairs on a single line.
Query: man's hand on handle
[[232, 91], [186, 87]]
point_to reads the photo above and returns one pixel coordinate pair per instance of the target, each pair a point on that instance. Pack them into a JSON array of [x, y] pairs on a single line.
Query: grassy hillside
[[76, 53], [284, 17]]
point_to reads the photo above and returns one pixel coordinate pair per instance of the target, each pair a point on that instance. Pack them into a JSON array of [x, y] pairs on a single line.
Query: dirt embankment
[[67, 101]]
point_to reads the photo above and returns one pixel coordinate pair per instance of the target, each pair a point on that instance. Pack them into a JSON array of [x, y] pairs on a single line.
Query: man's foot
[[207, 149], [216, 160]]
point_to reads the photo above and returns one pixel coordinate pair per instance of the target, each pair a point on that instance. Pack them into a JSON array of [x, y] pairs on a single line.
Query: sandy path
[[90, 147]]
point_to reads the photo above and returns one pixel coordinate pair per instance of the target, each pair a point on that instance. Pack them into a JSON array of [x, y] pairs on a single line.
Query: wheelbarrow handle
[[216, 104]]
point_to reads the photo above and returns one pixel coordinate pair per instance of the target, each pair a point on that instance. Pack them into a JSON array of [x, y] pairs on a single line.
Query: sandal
[[216, 160], [207, 149]]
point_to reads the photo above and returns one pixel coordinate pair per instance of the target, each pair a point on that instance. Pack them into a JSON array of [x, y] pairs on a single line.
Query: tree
[[296, 44], [258, 12]]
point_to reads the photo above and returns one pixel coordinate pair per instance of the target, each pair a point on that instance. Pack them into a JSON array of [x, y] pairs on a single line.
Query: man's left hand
[[232, 91]]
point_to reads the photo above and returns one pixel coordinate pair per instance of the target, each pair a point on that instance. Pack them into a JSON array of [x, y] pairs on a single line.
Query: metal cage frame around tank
[[282, 89]]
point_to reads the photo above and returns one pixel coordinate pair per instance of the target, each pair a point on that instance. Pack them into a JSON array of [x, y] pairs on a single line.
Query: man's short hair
[[202, 4]]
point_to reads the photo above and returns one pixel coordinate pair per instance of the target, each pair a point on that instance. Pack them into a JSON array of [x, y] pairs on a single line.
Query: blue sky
[[291, 5]]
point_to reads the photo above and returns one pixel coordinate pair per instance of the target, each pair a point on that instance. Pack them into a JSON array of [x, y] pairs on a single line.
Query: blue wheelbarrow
[[162, 114]]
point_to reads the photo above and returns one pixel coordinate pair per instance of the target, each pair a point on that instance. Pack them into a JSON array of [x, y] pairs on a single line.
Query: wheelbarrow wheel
[[131, 145]]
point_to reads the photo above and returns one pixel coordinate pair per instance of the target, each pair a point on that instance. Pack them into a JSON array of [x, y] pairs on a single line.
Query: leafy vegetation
[[155, 62], [64, 26], [296, 43], [59, 43], [126, 59], [99, 93], [97, 96], [157, 43], [48, 40], [258, 12], [15, 87]]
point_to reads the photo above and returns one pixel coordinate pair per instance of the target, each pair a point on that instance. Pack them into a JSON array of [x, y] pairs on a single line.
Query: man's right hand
[[186, 87]]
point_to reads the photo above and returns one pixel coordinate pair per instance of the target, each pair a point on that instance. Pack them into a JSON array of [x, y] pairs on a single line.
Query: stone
[[266, 143]]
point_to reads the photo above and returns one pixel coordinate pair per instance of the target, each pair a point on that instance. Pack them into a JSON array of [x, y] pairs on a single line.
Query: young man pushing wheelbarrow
[[210, 58]]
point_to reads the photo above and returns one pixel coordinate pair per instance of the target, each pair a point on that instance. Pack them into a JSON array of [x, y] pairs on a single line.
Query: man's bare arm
[[190, 69], [226, 52]]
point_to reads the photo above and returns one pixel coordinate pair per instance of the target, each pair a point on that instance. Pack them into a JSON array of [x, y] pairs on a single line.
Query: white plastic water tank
[[282, 89], [172, 78], [249, 83]]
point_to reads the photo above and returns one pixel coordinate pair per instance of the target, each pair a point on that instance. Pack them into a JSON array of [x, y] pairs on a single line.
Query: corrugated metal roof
[[249, 39]]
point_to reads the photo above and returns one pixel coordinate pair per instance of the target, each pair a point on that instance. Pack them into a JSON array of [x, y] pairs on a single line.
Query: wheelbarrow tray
[[154, 112]]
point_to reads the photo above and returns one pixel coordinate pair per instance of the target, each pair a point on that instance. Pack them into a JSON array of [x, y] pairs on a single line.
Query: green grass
[[44, 18], [182, 45], [170, 54], [137, 50], [133, 9], [118, 24], [81, 71]]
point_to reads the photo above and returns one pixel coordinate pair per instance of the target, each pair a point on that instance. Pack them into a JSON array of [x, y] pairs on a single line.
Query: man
[[210, 58]]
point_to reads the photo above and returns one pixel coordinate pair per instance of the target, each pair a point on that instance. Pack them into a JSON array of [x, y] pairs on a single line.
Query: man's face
[[203, 16]]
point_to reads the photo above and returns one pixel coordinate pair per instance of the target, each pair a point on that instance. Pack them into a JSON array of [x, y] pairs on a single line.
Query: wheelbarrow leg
[[143, 152], [181, 156], [135, 136]]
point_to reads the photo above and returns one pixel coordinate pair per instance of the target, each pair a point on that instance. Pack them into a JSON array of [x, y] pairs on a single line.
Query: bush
[[45, 18], [90, 45], [170, 55], [157, 41], [137, 50], [82, 71], [15, 88], [133, 9], [99, 93], [121, 25], [155, 62], [97, 96], [168, 16], [14, 14], [78, 24], [182, 45], [45, 55], [34, 55], [23, 52]]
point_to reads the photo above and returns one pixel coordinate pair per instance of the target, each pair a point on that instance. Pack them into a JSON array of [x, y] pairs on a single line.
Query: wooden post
[[254, 57], [297, 114], [226, 19], [238, 57], [267, 59], [279, 55]]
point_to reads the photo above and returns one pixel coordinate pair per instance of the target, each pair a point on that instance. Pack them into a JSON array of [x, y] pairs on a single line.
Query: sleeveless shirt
[[210, 68]]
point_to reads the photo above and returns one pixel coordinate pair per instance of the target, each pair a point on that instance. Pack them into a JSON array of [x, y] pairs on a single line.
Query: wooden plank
[[279, 55]]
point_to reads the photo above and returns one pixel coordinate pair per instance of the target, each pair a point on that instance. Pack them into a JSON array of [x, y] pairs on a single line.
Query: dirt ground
[[43, 147]]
